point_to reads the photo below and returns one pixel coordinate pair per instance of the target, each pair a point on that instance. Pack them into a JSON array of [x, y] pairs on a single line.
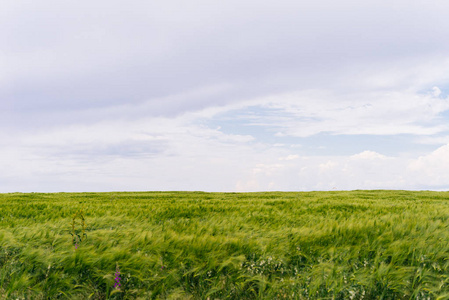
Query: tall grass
[[194, 245]]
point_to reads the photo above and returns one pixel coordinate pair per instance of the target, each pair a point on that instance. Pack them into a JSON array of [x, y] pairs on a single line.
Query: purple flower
[[117, 284]]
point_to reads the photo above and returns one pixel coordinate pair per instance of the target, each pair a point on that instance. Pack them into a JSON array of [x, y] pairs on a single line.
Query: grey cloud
[[127, 149], [107, 151], [68, 56]]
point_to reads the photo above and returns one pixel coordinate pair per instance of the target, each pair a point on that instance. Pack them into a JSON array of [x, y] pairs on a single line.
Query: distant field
[[194, 245]]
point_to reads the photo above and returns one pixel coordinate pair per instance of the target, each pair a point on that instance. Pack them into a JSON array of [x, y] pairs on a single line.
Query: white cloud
[[178, 154], [436, 91], [431, 169], [144, 154], [368, 155], [365, 170], [306, 113], [289, 157], [327, 166], [182, 152], [433, 140]]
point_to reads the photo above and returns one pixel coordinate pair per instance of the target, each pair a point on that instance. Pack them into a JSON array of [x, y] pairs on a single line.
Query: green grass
[[194, 245]]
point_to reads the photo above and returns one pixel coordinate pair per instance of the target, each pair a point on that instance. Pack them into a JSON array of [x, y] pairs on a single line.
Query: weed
[[78, 233]]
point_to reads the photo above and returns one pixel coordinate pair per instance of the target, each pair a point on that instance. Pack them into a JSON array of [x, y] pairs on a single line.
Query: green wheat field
[[196, 245]]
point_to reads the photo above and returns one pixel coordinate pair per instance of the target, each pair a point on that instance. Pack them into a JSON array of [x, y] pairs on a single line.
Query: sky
[[225, 96]]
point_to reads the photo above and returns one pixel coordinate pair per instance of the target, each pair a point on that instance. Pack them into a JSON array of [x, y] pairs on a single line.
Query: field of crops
[[194, 245]]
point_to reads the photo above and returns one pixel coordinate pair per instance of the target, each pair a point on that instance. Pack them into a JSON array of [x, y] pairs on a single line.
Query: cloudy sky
[[223, 95]]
